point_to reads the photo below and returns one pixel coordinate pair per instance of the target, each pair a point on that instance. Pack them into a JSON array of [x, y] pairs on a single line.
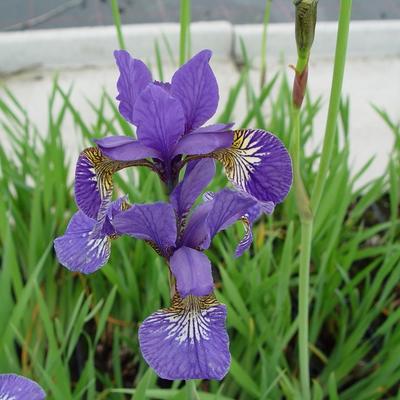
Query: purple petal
[[259, 164], [16, 387], [198, 175], [196, 233], [165, 85], [203, 143], [125, 148], [84, 247], [153, 222], [94, 181], [227, 207], [134, 77], [195, 86], [192, 271], [160, 120], [248, 219], [187, 340]]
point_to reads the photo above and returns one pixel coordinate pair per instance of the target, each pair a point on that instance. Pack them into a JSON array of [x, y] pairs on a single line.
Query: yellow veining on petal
[[189, 317], [240, 159], [103, 169]]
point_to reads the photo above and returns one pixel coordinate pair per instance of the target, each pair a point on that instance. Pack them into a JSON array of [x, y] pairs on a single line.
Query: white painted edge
[[79, 47], [94, 46], [366, 39]]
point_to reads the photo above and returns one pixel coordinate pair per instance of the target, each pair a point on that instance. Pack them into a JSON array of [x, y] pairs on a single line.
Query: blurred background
[[39, 14]]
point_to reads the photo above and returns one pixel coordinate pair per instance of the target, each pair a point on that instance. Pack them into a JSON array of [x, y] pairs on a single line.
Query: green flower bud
[[306, 17]]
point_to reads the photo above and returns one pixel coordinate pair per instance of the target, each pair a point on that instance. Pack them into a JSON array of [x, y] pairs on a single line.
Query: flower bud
[[306, 17]]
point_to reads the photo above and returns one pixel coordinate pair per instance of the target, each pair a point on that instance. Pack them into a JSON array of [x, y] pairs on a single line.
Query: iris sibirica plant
[[188, 340]]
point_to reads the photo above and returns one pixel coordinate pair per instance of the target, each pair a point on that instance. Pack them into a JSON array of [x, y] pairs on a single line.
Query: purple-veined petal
[[196, 233], [160, 120], [155, 223], [94, 181], [198, 175], [217, 213], [195, 86], [187, 340], [192, 271], [203, 143], [84, 247], [228, 206], [125, 148], [134, 77], [259, 164], [16, 387]]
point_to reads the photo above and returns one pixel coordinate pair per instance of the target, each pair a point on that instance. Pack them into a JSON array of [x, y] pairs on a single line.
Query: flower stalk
[[306, 12], [306, 15]]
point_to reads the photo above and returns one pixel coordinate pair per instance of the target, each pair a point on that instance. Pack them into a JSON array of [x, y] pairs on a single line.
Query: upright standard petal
[[94, 181], [187, 340], [125, 148], [154, 223], [16, 387], [160, 120], [259, 164], [84, 247], [195, 86], [134, 77], [192, 271], [198, 175]]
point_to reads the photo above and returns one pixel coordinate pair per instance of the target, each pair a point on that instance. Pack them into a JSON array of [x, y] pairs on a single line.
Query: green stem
[[306, 219], [334, 102], [304, 295], [305, 208], [117, 23], [191, 390], [184, 45]]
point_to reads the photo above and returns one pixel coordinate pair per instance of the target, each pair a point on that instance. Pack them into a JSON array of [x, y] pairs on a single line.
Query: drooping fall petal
[[187, 340]]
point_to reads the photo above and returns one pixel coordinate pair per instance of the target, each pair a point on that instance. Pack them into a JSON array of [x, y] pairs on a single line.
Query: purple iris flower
[[168, 116], [15, 387], [188, 340]]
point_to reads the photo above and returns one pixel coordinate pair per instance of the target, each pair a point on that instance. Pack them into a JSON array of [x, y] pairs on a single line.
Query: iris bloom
[[187, 340], [15, 387]]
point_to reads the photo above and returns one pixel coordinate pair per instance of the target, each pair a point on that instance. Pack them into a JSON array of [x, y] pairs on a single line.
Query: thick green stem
[[191, 390], [306, 218], [306, 208], [304, 295], [334, 102]]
